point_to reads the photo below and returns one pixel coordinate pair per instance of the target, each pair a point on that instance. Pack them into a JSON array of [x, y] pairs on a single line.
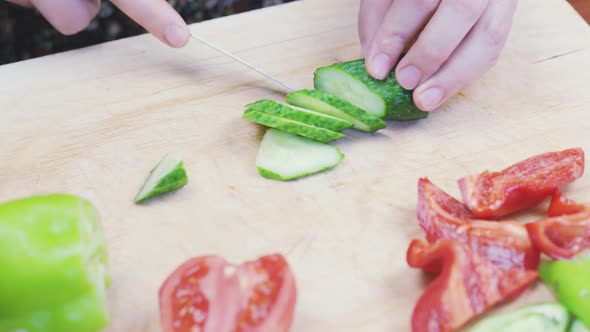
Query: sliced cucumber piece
[[294, 127], [578, 326], [383, 98], [168, 175], [547, 317], [335, 106], [285, 156], [299, 114]]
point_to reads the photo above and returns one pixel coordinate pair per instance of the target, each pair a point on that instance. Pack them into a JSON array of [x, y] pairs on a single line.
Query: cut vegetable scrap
[[299, 114], [569, 280], [382, 98], [491, 195], [294, 127], [168, 175], [332, 105], [565, 235], [466, 286], [546, 317], [506, 245], [54, 264], [286, 156], [210, 294]]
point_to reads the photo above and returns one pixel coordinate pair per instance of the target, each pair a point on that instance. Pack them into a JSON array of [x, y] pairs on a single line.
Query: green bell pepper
[[569, 280], [53, 266]]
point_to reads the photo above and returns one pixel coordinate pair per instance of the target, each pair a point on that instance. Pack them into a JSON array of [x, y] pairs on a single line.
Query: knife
[[258, 70]]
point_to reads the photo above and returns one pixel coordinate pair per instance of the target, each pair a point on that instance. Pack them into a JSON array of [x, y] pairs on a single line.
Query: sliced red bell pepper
[[567, 234], [491, 195], [561, 205], [439, 214], [506, 245], [467, 285]]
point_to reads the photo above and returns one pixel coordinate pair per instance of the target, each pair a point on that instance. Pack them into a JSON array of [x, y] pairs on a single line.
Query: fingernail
[[409, 77], [380, 66], [431, 98], [176, 36]]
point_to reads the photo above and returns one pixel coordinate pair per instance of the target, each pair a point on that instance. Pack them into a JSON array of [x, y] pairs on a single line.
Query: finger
[[371, 15], [402, 20], [443, 33], [473, 58], [24, 3], [68, 16], [158, 18]]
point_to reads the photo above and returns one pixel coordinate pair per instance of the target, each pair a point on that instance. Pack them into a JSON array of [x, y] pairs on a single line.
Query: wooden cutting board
[[93, 122]]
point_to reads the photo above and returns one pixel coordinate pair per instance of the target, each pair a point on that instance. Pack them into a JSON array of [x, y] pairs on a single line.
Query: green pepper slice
[[569, 280], [54, 267]]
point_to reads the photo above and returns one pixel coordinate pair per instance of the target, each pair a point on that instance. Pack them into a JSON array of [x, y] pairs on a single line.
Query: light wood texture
[[94, 121]]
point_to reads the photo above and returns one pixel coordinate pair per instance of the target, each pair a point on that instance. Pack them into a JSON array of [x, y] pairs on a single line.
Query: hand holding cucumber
[[461, 40]]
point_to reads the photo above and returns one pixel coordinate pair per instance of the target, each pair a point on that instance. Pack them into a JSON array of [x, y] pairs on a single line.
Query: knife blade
[[258, 70]]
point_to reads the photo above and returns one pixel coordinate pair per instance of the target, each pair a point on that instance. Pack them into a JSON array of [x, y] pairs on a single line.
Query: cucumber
[[578, 326], [547, 317], [285, 156], [294, 127], [168, 175], [335, 106], [300, 114], [383, 98]]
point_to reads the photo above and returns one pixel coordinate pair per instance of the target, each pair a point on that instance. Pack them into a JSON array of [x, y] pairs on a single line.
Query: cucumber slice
[[547, 317], [294, 127], [382, 98], [578, 326], [285, 156], [168, 175], [300, 114], [332, 105]]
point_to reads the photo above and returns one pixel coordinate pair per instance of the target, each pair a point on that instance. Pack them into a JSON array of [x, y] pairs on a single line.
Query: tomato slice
[[492, 195], [566, 234], [209, 294], [466, 286], [506, 245], [271, 295]]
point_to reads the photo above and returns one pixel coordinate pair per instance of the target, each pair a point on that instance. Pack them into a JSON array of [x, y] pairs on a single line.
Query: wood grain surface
[[93, 122]]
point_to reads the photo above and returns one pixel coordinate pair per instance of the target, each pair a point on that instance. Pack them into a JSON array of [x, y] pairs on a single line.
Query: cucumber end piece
[[168, 175], [384, 98]]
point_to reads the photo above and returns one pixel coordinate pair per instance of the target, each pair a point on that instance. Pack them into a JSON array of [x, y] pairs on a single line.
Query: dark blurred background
[[25, 34]]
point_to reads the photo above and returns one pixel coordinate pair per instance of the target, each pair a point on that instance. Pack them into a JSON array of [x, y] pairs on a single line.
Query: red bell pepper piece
[[567, 233], [439, 214], [561, 205], [506, 245], [466, 286], [491, 195]]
